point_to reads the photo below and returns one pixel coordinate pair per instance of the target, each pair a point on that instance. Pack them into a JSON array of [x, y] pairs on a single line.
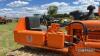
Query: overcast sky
[[30, 7]]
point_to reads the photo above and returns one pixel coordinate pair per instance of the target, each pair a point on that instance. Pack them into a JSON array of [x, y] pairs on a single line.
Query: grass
[[6, 38]]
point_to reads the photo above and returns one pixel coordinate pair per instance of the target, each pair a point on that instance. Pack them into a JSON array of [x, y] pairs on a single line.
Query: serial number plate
[[87, 49]]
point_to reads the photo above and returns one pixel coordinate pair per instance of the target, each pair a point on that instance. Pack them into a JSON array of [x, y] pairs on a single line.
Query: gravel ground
[[26, 51]]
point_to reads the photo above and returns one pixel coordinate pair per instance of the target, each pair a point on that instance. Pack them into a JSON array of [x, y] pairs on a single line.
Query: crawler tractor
[[82, 38], [2, 20]]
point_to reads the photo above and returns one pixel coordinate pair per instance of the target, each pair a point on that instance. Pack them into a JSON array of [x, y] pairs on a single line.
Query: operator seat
[[33, 23]]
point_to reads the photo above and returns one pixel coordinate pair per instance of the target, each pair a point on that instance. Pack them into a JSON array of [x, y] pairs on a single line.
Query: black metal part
[[83, 15]]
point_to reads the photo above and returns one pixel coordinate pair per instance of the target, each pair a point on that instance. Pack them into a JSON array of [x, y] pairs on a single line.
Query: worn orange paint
[[53, 38], [91, 40], [39, 38]]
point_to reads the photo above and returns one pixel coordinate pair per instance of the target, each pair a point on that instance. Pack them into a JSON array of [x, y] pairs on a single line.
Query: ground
[[6, 38]]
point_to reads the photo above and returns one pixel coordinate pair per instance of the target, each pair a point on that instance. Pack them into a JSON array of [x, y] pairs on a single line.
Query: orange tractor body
[[89, 32], [40, 39], [54, 39]]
